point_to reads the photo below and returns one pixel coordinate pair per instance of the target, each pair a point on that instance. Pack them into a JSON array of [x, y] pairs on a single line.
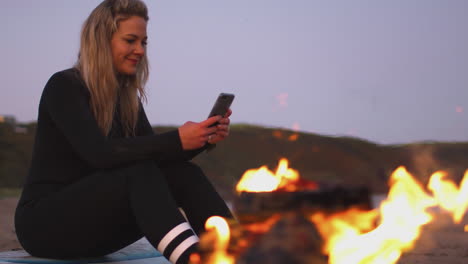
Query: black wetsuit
[[89, 195]]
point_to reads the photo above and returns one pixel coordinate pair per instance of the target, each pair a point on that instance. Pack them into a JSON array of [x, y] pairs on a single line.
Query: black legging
[[111, 209]]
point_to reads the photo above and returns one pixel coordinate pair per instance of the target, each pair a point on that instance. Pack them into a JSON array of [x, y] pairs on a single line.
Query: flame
[[449, 196], [264, 180], [223, 233], [378, 236], [195, 258], [402, 215], [350, 223], [263, 227]]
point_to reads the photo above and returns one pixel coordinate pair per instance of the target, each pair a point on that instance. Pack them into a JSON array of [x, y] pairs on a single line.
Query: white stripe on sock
[[182, 247], [171, 235]]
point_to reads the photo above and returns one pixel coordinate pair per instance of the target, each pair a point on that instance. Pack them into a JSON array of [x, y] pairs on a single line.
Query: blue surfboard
[[140, 252]]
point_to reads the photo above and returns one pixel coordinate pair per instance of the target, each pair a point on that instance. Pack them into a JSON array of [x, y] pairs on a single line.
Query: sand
[[440, 242], [8, 239]]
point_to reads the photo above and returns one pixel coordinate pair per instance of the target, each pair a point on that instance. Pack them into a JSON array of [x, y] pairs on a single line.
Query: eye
[[130, 41], [144, 43]]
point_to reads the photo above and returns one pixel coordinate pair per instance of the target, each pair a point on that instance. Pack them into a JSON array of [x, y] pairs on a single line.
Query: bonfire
[[347, 234]]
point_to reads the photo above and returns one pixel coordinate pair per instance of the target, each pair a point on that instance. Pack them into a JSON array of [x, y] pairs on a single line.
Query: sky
[[390, 72]]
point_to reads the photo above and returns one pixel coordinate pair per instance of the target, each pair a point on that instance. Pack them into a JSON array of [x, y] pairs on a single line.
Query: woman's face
[[128, 45]]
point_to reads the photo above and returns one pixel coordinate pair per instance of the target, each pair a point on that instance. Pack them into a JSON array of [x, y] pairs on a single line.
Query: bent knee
[[192, 167], [185, 167], [184, 171], [141, 166]]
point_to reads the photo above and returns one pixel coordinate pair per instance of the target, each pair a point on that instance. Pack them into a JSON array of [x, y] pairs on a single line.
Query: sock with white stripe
[[178, 244], [185, 257]]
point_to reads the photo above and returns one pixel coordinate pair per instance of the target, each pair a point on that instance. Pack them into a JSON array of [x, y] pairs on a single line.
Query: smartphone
[[222, 104]]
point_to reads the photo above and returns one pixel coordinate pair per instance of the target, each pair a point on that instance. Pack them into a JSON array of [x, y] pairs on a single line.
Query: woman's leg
[[104, 212], [194, 193]]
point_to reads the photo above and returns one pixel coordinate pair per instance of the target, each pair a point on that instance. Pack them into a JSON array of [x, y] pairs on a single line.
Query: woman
[[100, 179]]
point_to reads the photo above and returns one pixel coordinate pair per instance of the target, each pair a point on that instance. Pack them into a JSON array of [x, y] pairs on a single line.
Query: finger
[[225, 121], [223, 127], [211, 130], [212, 139], [210, 121], [215, 139], [222, 134], [228, 113]]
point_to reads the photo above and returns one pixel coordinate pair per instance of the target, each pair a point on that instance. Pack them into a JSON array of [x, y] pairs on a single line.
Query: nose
[[139, 49]]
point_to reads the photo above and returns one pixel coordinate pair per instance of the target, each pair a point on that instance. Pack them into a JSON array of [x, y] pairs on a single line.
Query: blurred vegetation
[[9, 192], [328, 160]]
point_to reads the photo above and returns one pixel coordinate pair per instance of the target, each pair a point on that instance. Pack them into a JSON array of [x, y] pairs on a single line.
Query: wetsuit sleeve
[[144, 128], [67, 104]]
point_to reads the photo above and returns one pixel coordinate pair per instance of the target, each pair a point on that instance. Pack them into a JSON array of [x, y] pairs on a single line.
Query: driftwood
[[283, 238], [274, 227], [292, 239], [253, 207]]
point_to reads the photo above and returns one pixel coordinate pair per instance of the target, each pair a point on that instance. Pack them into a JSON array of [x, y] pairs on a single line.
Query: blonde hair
[[107, 88]]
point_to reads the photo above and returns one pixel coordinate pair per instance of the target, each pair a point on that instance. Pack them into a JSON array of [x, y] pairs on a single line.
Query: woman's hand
[[222, 130], [195, 135]]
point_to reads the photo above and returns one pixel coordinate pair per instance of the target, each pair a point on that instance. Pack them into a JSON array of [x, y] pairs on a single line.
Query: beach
[[441, 241], [8, 239]]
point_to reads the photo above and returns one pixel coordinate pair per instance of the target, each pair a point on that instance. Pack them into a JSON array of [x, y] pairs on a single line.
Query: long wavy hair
[[110, 91]]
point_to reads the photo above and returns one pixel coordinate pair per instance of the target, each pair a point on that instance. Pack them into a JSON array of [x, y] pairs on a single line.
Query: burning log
[[264, 204], [274, 225], [292, 239], [282, 222], [263, 193], [285, 238]]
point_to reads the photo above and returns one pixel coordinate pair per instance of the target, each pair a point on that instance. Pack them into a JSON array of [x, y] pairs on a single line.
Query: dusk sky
[[392, 71]]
